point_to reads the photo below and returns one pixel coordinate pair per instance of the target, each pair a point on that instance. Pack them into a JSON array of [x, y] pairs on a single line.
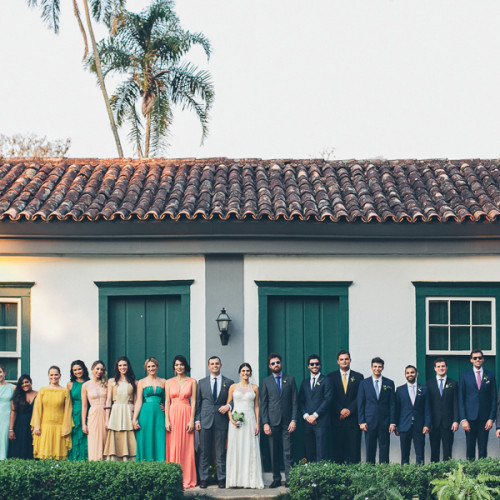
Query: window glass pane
[[481, 313], [481, 338], [11, 367], [438, 312], [8, 314], [438, 338], [460, 338], [460, 312], [8, 339]]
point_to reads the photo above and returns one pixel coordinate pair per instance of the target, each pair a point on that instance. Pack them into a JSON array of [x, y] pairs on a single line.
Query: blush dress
[[180, 442], [96, 420], [244, 468]]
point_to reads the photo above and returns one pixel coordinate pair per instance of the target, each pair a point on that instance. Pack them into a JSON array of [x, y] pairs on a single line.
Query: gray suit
[[278, 410], [214, 426]]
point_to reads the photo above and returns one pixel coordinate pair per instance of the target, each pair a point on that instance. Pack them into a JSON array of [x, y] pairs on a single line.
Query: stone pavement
[[213, 491]]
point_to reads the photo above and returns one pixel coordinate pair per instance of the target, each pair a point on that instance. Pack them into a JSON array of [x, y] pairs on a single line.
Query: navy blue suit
[[477, 406], [410, 421], [378, 414], [316, 401]]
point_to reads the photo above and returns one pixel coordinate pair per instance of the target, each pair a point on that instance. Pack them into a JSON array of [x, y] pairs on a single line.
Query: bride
[[244, 469]]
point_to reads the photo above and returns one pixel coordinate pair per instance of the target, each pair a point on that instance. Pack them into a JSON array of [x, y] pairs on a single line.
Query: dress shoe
[[275, 484], [203, 484], [222, 483]]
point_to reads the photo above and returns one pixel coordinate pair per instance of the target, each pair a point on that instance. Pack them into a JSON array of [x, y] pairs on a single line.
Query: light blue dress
[[6, 392]]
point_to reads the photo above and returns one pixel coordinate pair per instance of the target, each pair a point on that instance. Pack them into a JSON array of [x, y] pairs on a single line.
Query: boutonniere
[[485, 378], [419, 390], [386, 387], [318, 383], [284, 380], [224, 385], [353, 379], [448, 386]]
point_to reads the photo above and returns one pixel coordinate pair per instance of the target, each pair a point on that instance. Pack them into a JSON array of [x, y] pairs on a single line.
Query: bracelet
[[11, 430]]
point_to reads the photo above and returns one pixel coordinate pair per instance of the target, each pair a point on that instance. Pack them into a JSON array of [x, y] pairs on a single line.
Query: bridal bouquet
[[238, 417]]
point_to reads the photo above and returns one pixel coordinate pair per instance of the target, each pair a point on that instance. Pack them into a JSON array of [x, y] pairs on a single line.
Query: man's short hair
[[378, 361], [411, 366], [440, 360], [343, 351], [313, 356], [214, 357], [476, 351], [272, 356]]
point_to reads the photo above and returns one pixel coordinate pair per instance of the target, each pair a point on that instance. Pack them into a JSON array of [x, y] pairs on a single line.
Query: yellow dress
[[52, 415]]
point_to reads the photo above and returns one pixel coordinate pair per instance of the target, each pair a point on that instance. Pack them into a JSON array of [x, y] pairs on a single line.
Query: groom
[[211, 420]]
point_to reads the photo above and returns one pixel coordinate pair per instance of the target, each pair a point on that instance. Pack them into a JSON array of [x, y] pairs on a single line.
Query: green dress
[[78, 438], [151, 437]]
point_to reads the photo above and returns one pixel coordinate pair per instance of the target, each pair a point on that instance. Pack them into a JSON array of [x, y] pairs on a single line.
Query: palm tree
[[149, 48], [101, 10]]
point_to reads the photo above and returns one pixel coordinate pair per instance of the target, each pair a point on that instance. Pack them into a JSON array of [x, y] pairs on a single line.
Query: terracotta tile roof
[[220, 188]]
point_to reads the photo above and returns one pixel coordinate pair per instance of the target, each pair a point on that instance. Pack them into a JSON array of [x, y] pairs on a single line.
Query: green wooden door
[[298, 326], [143, 326]]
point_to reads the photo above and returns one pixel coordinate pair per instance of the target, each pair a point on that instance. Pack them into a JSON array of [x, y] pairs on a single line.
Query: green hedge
[[49, 479], [325, 480]]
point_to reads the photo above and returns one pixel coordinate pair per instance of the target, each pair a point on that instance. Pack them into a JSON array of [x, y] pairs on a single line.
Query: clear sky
[[293, 79]]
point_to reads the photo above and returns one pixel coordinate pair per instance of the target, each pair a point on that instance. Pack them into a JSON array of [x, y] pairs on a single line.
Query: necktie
[[377, 388], [478, 378], [412, 394], [278, 383], [441, 386], [214, 391], [313, 383], [344, 381]]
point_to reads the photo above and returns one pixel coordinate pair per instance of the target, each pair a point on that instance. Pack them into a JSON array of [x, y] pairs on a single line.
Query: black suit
[[278, 410], [346, 432], [444, 411], [316, 400]]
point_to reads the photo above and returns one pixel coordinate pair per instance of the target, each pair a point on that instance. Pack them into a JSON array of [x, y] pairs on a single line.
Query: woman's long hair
[[184, 362], [85, 375], [130, 375], [103, 381], [19, 397]]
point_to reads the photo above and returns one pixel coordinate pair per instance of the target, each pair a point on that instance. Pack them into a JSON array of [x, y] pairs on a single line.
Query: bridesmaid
[[79, 374], [21, 440], [6, 392], [120, 440], [94, 393], [51, 421], [149, 421], [179, 420]]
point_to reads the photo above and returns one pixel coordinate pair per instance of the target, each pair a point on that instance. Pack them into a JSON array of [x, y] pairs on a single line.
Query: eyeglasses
[[272, 363], [477, 357], [314, 364]]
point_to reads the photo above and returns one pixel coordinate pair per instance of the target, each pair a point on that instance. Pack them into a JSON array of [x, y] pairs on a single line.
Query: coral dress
[[96, 420], [120, 441], [180, 442], [78, 438], [151, 435], [52, 415]]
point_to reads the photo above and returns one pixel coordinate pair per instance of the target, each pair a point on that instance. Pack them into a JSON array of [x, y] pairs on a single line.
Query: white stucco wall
[[64, 304], [382, 311]]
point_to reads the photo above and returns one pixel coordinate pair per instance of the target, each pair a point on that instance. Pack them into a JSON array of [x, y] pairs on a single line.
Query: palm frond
[[124, 98], [50, 12], [161, 119]]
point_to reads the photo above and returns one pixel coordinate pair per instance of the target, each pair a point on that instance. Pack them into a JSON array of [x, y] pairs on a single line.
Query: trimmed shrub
[[325, 480], [50, 479]]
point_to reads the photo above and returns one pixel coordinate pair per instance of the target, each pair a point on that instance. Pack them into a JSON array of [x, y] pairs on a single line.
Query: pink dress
[[96, 420], [180, 442]]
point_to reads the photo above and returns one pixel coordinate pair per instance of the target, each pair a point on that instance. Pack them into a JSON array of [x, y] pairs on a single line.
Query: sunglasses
[[477, 357], [272, 363], [314, 364]]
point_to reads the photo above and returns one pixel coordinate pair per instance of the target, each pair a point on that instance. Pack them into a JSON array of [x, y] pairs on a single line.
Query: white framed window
[[457, 325], [10, 336]]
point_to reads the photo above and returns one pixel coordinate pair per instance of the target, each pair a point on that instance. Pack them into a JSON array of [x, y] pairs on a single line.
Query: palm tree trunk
[[101, 81], [148, 135]]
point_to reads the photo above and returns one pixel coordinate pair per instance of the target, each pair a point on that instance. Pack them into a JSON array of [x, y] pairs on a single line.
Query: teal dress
[[151, 437], [6, 392], [78, 438]]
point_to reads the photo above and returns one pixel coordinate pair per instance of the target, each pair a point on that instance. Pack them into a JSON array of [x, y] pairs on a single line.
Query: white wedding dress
[[244, 468]]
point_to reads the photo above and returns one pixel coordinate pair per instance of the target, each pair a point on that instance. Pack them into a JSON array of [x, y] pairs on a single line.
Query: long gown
[[6, 392], [120, 440], [22, 446], [151, 436], [244, 468], [78, 438], [96, 420], [180, 442], [52, 415]]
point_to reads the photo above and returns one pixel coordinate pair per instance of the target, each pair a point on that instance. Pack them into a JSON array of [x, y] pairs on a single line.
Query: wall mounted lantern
[[223, 321]]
